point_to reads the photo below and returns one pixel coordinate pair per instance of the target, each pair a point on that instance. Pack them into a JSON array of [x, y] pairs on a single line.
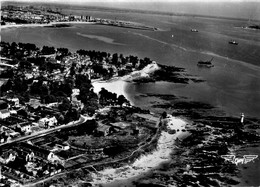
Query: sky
[[247, 9], [92, 1]]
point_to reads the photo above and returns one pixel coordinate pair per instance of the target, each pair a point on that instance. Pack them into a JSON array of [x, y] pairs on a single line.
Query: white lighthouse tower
[[242, 118]]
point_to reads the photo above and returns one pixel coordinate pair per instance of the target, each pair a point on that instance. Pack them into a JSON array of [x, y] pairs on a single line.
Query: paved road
[[48, 131]]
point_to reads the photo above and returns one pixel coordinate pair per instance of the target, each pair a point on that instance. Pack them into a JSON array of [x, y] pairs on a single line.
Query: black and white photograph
[[130, 93]]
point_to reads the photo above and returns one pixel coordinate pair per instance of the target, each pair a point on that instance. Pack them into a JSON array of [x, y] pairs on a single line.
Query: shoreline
[[44, 24], [134, 26], [146, 162], [115, 85]]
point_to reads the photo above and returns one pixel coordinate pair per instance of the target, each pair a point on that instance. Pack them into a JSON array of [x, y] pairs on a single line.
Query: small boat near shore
[[233, 42], [207, 64], [194, 30]]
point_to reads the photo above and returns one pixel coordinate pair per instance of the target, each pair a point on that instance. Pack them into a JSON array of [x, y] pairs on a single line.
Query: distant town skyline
[[246, 9]]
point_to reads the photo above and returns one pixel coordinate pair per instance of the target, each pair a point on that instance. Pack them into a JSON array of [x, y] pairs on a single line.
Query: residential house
[[75, 92], [39, 152], [78, 104], [13, 112], [35, 103], [30, 156], [26, 128], [4, 113], [28, 76], [8, 156], [62, 146], [15, 101], [48, 122], [102, 130]]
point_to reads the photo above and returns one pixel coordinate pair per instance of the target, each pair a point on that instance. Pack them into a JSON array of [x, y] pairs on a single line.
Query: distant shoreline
[[44, 25], [131, 10], [53, 24]]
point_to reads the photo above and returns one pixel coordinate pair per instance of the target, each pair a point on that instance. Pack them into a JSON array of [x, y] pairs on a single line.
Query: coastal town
[[48, 104], [11, 15], [59, 127], [16, 15], [53, 123]]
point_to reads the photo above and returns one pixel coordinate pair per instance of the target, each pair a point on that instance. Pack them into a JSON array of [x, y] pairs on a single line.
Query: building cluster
[[18, 120], [28, 14], [25, 163], [41, 94]]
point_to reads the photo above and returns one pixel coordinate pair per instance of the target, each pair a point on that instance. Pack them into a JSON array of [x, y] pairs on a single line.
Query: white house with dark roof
[[43, 122], [4, 113], [8, 156]]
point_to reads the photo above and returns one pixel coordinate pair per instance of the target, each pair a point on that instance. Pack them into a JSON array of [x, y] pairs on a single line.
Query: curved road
[[47, 131]]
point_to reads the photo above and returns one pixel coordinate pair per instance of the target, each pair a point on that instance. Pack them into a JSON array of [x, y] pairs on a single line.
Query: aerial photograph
[[129, 93]]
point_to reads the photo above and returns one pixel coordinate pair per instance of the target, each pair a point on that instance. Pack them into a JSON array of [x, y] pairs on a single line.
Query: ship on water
[[194, 30], [233, 42], [207, 64]]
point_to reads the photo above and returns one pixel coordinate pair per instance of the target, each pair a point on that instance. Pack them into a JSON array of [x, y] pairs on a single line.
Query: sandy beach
[[43, 25], [116, 85], [166, 143]]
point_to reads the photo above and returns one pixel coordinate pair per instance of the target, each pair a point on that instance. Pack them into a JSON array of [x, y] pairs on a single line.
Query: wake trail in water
[[99, 38], [248, 65], [160, 41]]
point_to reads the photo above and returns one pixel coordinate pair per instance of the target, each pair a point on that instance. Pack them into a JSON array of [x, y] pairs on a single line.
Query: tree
[[88, 127], [65, 105], [121, 100], [19, 85], [22, 112], [63, 51], [47, 50], [72, 115], [50, 99], [72, 71], [82, 79], [164, 115], [24, 64], [115, 59], [90, 101], [103, 95], [66, 88]]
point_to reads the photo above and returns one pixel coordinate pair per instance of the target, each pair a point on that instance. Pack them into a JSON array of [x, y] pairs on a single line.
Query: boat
[[207, 64], [233, 42], [194, 30]]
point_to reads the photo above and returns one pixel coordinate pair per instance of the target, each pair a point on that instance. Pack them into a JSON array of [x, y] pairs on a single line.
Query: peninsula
[[53, 121], [25, 16]]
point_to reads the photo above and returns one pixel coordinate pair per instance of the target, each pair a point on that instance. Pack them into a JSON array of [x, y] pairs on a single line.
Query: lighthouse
[[242, 118]]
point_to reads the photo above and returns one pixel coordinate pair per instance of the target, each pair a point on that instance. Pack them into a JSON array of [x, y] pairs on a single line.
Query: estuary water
[[233, 84]]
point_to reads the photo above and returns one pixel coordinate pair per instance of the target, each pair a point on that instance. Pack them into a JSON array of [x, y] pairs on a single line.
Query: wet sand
[[43, 25]]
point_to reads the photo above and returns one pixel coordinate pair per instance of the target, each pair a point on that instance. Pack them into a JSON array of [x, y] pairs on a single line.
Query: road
[[47, 131]]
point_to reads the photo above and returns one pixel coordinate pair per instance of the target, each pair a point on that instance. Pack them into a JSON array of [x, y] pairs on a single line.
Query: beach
[[43, 25], [119, 85], [115, 85], [145, 163]]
